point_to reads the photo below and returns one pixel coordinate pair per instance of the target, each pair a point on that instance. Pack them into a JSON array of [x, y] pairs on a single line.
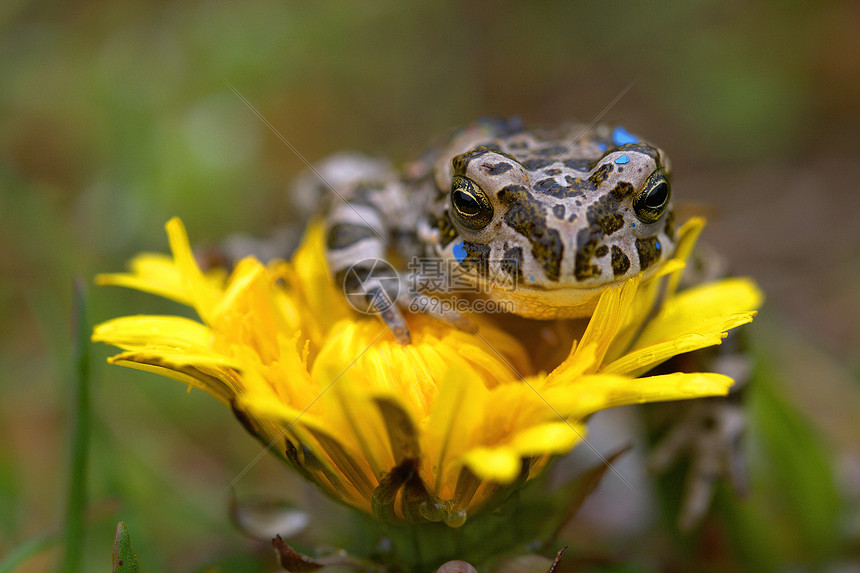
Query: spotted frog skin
[[542, 220]]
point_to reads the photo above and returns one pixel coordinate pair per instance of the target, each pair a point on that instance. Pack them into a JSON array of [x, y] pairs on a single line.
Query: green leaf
[[124, 559], [792, 514]]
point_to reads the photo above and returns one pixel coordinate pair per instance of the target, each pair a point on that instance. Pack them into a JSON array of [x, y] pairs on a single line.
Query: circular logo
[[371, 286]]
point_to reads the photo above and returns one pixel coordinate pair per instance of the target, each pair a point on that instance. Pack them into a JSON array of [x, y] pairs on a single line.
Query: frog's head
[[549, 226]]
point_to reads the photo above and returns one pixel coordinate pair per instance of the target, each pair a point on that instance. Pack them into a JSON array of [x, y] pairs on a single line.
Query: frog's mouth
[[567, 287], [542, 302], [563, 301]]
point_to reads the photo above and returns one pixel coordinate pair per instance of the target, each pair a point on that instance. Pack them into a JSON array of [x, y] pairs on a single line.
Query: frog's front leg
[[356, 245], [360, 232]]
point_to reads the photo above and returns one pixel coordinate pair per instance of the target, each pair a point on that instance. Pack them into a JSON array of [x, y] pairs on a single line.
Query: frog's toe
[[396, 323], [379, 301]]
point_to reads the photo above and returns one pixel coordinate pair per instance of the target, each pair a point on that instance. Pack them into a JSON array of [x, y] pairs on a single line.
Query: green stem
[[76, 500]]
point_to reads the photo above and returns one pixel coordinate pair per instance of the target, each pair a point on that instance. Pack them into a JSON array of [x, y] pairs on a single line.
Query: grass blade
[[76, 500]]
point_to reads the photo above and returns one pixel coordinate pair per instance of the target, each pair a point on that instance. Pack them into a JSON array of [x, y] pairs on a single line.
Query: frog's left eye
[[651, 202], [471, 206]]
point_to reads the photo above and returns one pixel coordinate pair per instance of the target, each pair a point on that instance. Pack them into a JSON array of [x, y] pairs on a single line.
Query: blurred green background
[[115, 116]]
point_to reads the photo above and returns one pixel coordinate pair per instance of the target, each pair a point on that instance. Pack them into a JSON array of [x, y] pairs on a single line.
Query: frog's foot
[[380, 302], [710, 433], [392, 315], [374, 292], [396, 323]]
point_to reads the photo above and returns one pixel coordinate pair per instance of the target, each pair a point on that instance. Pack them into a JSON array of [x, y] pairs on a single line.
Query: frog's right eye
[[650, 204], [470, 205]]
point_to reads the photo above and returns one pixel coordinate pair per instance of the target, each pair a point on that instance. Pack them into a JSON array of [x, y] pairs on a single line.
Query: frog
[[537, 220], [540, 220]]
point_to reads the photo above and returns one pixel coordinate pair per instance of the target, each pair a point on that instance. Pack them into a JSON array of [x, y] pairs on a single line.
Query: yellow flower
[[431, 431]]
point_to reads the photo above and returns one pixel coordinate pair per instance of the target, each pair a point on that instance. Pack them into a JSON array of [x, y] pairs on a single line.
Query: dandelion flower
[[432, 431]]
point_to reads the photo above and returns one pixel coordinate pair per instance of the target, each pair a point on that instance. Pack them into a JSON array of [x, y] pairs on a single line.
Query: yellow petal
[[362, 419], [702, 309], [588, 394], [206, 294], [494, 464], [657, 286], [171, 332], [323, 302], [551, 438], [688, 234], [355, 481], [211, 372], [152, 273], [604, 324], [454, 419], [643, 359]]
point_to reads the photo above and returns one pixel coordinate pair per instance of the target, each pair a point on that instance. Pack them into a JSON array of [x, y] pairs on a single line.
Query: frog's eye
[[471, 207], [651, 202]]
